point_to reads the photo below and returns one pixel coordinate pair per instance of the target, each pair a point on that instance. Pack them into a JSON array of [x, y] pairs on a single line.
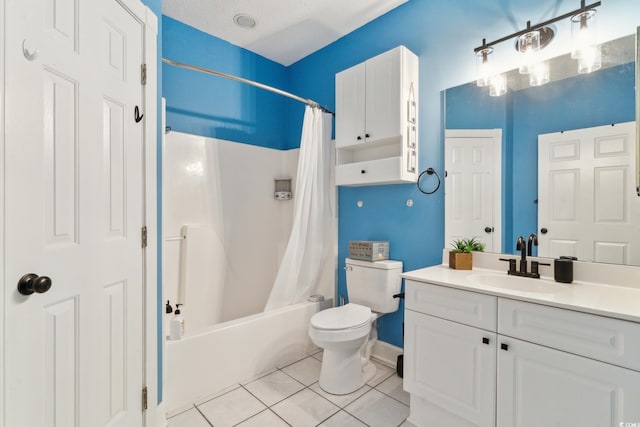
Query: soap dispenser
[[177, 324]]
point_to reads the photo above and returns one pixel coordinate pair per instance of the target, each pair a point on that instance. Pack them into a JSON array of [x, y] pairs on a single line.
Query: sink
[[517, 283]]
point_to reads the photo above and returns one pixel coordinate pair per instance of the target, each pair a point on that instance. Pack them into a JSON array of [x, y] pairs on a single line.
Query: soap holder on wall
[[283, 189]]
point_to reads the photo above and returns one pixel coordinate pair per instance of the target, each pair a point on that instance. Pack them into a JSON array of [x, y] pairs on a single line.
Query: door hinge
[[143, 74], [145, 399], [143, 236]]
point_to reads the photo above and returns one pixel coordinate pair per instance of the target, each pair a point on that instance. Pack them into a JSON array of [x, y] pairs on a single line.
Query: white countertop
[[620, 302]]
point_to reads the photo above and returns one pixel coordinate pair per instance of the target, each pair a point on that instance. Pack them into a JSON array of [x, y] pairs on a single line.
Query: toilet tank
[[373, 284]]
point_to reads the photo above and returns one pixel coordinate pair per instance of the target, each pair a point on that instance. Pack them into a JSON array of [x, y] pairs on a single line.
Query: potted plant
[[460, 257]]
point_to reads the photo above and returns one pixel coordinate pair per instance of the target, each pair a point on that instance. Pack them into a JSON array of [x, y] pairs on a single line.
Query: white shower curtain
[[312, 229]]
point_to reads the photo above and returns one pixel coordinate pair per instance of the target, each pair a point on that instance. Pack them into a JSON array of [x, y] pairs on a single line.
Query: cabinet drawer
[[602, 338], [464, 307], [370, 172]]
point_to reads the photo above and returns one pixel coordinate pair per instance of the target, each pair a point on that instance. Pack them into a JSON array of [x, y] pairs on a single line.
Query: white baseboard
[[386, 353]]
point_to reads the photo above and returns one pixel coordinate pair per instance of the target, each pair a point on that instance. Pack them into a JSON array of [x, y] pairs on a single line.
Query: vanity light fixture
[[531, 40]]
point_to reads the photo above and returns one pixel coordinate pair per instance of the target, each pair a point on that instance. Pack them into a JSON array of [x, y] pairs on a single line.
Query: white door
[[587, 206], [473, 190], [538, 386], [453, 367], [74, 212]]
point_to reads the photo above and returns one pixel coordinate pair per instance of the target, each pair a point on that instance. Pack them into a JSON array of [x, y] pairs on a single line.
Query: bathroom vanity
[[486, 349]]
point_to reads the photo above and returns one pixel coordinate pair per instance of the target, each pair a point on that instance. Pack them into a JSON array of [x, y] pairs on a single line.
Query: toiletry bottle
[[177, 324]]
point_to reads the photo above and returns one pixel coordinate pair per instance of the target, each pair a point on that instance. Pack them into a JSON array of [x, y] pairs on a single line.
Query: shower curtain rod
[[247, 81]]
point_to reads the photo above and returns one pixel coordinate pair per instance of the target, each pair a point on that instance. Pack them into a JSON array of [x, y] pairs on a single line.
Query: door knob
[[543, 230], [488, 229], [30, 283]]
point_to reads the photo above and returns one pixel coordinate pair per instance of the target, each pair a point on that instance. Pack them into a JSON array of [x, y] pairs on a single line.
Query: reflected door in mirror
[[587, 201], [473, 186]]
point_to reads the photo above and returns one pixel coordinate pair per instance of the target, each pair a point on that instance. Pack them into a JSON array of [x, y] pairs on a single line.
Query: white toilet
[[347, 333]]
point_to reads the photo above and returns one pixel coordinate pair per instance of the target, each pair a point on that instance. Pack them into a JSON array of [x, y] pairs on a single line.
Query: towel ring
[[428, 171]]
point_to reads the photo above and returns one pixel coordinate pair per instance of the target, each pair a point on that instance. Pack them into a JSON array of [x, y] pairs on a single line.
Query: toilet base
[[342, 373]]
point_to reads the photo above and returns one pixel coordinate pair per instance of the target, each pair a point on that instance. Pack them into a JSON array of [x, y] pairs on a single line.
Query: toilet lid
[[345, 317]]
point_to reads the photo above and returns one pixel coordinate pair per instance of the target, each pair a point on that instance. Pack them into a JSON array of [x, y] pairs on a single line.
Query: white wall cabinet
[[377, 120], [540, 366]]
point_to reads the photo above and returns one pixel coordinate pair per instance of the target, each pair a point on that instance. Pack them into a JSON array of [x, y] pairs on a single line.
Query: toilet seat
[[349, 316]]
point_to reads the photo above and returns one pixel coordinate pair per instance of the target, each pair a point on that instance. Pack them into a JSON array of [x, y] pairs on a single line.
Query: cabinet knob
[[366, 135], [359, 138], [363, 171], [543, 230], [485, 340], [504, 347]]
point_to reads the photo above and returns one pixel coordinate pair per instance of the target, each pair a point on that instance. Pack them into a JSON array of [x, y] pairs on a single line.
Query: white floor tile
[[265, 418], [392, 386], [274, 387], [342, 419], [305, 408], [343, 399], [378, 410], [231, 408], [382, 373], [318, 355], [190, 418], [307, 370]]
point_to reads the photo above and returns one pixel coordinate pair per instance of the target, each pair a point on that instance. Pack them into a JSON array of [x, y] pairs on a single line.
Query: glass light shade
[[483, 68], [539, 74], [583, 32], [590, 60], [528, 46], [498, 85]]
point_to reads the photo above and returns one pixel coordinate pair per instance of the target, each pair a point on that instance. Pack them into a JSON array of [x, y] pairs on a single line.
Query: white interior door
[[587, 205], [74, 211], [472, 191]]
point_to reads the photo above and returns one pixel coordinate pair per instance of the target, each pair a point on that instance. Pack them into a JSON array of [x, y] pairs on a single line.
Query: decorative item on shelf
[[530, 42], [461, 256]]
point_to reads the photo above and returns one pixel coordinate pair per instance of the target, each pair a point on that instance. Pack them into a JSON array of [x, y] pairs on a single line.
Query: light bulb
[[539, 74], [583, 32], [528, 45], [590, 59], [498, 85], [483, 68]]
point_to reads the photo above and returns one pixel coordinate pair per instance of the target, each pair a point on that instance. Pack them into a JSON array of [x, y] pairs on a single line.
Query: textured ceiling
[[285, 30]]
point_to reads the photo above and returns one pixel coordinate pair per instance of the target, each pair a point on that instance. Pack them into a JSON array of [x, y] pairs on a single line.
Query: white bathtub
[[198, 366]]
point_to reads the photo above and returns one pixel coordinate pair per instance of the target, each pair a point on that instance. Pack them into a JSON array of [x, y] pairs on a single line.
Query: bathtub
[[201, 365]]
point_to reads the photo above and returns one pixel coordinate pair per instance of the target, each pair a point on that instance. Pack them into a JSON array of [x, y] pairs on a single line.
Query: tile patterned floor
[[290, 396]]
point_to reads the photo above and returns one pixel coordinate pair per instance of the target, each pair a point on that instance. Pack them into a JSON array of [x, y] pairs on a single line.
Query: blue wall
[[442, 33], [596, 99], [211, 106]]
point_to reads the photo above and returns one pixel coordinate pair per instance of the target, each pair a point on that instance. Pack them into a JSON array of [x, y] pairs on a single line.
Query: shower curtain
[[312, 228]]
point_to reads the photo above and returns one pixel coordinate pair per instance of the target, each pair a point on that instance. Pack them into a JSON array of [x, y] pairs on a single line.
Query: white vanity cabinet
[[376, 120], [473, 359]]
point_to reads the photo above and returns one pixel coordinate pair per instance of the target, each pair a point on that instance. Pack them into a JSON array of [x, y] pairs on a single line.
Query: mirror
[[569, 101]]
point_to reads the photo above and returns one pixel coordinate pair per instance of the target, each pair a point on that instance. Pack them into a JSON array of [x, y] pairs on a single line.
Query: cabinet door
[[382, 94], [350, 100], [452, 367], [538, 386]]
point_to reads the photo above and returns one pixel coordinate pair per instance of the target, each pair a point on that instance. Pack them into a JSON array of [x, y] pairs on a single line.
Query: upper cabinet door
[[350, 106], [382, 96]]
